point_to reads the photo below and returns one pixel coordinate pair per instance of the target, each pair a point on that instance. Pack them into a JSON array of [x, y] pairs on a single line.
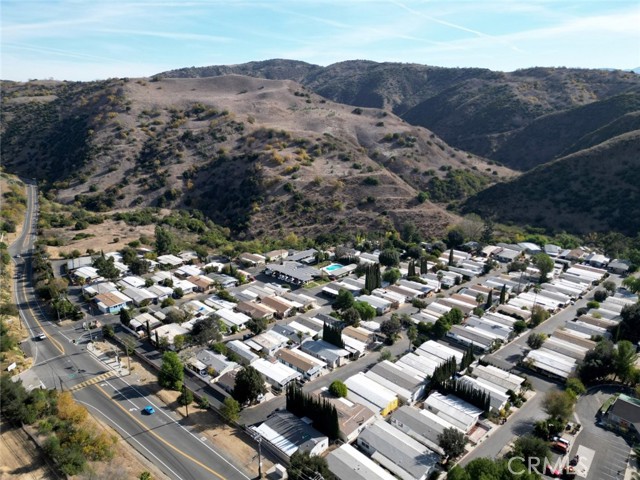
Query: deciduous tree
[[171, 373], [452, 441], [249, 385]]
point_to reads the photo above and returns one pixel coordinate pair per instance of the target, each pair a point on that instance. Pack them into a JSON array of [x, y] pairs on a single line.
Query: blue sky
[[94, 39]]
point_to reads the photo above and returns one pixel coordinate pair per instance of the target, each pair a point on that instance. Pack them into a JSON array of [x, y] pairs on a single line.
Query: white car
[[42, 336]]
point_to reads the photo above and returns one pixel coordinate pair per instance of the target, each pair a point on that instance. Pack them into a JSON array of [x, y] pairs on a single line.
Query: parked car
[[148, 410], [560, 447], [552, 471]]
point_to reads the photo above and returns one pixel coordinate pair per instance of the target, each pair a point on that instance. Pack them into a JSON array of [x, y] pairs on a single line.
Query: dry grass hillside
[[256, 155], [474, 109], [602, 197]]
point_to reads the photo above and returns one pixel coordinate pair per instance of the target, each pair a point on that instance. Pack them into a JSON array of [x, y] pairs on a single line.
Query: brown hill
[[476, 110], [256, 155], [592, 190]]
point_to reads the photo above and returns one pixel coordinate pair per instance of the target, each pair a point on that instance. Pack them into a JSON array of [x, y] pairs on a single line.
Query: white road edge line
[[176, 422], [129, 436]]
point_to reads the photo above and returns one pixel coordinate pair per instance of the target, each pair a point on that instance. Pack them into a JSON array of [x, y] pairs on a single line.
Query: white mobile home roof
[[375, 302], [497, 376], [498, 397], [232, 318], [398, 452], [242, 350], [425, 317], [500, 318], [566, 348], [170, 260], [418, 362], [347, 463], [441, 351], [438, 308], [277, 372], [486, 325], [375, 393], [454, 410], [552, 362]]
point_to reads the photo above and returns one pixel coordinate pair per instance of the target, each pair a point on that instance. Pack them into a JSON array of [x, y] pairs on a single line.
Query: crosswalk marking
[[92, 381]]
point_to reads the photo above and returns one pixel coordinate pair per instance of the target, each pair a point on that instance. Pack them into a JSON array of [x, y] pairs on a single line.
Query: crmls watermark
[[535, 465]]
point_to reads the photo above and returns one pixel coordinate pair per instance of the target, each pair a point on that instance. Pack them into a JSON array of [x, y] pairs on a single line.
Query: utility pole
[[258, 438]]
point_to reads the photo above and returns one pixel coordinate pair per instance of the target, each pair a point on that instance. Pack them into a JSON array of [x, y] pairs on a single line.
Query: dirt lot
[[103, 237], [20, 459], [228, 440]]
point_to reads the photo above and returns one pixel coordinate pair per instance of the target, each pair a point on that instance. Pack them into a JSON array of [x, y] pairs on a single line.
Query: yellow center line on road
[[56, 344], [184, 454]]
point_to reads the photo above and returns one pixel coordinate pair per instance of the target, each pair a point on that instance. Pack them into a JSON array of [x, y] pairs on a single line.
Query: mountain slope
[[592, 190], [255, 155], [472, 109], [568, 128]]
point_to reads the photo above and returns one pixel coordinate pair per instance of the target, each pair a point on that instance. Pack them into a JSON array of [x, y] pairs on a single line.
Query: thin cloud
[[59, 52], [168, 35]]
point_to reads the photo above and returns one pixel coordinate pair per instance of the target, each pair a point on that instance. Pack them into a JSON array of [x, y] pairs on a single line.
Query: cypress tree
[[424, 265], [378, 276], [489, 303], [503, 294], [451, 257], [412, 268]]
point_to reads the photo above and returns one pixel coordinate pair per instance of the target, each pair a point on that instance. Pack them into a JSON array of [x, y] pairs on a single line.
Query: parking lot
[[612, 451]]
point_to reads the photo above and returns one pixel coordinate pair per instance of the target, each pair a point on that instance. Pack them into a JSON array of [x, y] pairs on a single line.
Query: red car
[[552, 471]]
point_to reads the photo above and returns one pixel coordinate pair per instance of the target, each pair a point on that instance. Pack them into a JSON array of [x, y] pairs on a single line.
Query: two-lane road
[[60, 363]]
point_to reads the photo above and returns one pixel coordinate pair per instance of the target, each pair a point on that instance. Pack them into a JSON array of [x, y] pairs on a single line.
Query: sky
[[97, 39]]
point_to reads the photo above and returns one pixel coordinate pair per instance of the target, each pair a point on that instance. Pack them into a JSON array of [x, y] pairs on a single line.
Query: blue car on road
[[148, 410]]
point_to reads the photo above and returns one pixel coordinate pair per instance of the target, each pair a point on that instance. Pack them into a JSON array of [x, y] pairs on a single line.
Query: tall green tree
[[411, 271], [630, 324], [165, 241], [230, 409], [171, 373], [529, 448], [344, 300], [249, 385], [452, 441], [366, 311], [558, 404], [106, 267], [391, 328], [489, 302], [503, 295], [624, 360], [389, 257], [598, 363], [544, 263], [391, 275]]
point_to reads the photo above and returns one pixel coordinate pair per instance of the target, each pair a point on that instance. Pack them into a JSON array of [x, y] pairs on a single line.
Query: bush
[[338, 388], [600, 295], [593, 304]]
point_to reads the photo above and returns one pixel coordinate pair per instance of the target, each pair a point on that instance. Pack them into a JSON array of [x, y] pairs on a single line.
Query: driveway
[[612, 451]]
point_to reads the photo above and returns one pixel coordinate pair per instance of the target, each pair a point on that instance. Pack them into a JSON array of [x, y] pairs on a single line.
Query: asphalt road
[[60, 363], [521, 422], [612, 452]]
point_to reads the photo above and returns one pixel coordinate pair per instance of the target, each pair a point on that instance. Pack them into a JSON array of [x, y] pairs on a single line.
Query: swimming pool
[[332, 267]]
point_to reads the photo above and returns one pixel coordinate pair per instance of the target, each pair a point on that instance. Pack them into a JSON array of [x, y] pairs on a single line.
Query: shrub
[[600, 295], [338, 388]]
